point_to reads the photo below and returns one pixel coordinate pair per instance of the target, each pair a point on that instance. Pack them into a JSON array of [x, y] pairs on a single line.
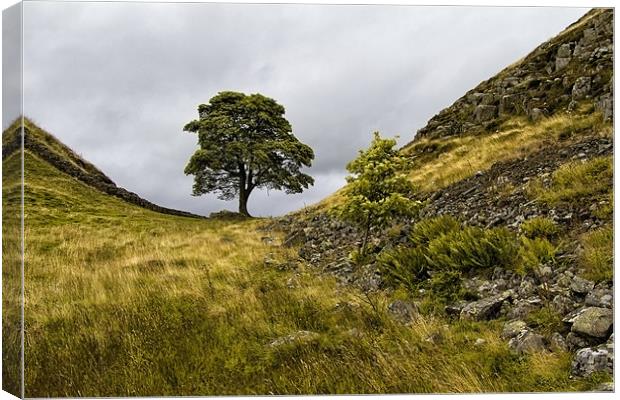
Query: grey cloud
[[117, 81]]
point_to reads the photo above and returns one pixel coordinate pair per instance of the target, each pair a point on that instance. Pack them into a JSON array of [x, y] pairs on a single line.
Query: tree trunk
[[243, 203], [366, 235]]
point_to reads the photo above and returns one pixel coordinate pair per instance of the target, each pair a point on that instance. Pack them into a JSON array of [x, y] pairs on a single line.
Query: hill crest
[[47, 147]]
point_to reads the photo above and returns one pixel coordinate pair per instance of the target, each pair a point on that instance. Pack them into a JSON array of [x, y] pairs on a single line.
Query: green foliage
[[577, 181], [431, 228], [473, 248], [597, 258], [246, 143], [534, 253], [540, 227], [440, 251], [404, 266], [378, 190]]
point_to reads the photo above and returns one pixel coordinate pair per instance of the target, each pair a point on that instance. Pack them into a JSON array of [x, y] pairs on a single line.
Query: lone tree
[[246, 143], [378, 190]]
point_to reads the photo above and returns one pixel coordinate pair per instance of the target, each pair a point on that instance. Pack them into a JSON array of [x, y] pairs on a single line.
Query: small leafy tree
[[378, 189], [246, 143]]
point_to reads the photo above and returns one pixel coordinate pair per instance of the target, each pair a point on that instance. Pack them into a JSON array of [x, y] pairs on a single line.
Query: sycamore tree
[[246, 143], [378, 189]]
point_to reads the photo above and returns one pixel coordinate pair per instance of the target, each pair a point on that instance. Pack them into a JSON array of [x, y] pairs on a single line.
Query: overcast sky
[[117, 81]]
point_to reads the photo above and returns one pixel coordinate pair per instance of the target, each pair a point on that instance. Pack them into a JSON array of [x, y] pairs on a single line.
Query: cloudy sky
[[117, 81]]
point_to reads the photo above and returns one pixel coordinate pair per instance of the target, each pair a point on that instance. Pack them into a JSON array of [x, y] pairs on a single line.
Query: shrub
[[428, 229], [597, 256], [540, 227], [404, 266], [535, 252], [378, 190], [473, 248]]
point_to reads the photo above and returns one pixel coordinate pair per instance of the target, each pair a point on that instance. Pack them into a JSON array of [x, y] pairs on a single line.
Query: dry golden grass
[[468, 154]]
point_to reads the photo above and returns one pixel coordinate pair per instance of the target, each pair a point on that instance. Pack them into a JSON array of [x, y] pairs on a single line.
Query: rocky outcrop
[[575, 65]]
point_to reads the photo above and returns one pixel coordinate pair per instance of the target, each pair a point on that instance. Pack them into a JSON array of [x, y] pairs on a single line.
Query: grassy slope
[[124, 301]]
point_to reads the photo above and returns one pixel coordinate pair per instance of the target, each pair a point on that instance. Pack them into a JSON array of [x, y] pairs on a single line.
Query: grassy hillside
[[121, 300], [124, 301]]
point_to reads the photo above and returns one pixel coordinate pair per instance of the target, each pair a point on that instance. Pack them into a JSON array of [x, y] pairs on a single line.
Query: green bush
[[473, 248], [597, 258], [404, 266], [535, 252], [540, 227], [428, 229]]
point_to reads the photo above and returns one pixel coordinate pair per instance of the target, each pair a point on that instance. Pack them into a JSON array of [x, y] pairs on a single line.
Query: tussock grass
[[597, 258], [576, 182], [443, 161]]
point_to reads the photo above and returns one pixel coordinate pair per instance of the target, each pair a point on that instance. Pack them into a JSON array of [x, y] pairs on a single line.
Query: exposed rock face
[[576, 64]]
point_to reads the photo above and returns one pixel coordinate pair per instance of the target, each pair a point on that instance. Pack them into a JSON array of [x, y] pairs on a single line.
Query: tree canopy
[[246, 143]]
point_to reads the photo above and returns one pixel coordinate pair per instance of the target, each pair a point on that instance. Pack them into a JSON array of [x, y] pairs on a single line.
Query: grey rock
[[403, 311], [604, 387], [522, 307], [605, 105], [480, 342], [581, 286], [536, 114], [527, 342], [564, 51], [484, 309], [562, 304], [582, 87], [590, 360], [485, 113], [574, 341], [561, 62], [510, 103], [600, 296], [513, 328], [593, 321], [557, 342]]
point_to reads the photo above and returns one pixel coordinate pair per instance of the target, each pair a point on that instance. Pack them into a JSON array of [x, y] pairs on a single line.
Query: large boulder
[[593, 321], [527, 342], [594, 359], [484, 309]]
